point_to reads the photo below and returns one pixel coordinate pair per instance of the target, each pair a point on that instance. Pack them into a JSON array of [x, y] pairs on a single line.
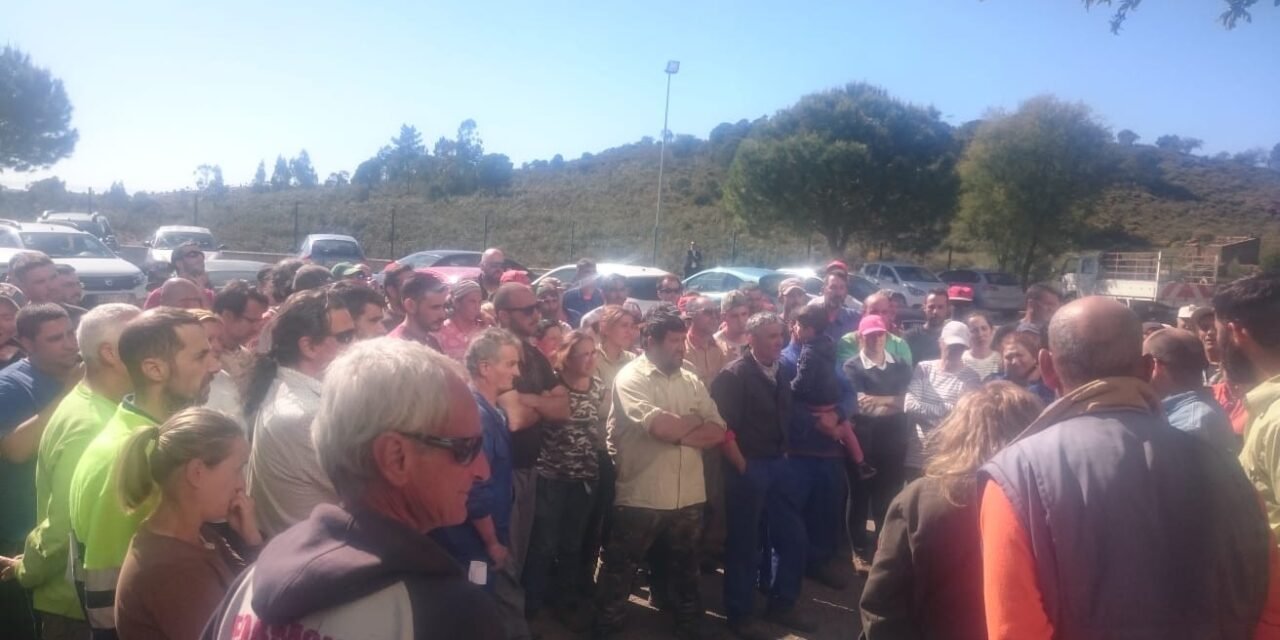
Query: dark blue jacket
[[803, 437], [492, 497]]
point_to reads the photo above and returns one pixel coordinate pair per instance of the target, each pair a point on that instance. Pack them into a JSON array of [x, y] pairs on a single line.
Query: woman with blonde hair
[[179, 568], [926, 581]]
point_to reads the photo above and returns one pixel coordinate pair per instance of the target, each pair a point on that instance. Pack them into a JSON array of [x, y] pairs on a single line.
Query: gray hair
[[102, 325], [377, 386], [485, 348], [762, 320]]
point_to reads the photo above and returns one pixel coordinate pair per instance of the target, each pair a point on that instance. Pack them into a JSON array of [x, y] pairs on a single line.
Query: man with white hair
[[78, 418], [403, 455]]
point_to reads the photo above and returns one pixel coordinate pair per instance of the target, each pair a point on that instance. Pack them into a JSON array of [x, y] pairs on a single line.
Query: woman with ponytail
[[178, 567]]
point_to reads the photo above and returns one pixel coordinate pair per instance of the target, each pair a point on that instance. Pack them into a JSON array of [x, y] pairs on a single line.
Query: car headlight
[[914, 290]]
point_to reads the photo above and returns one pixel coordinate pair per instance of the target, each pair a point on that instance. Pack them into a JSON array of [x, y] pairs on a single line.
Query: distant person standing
[[1177, 376], [188, 263], [423, 296], [981, 357], [465, 320], [392, 278], [492, 264], [935, 388], [1042, 302], [923, 340], [692, 259], [586, 295]]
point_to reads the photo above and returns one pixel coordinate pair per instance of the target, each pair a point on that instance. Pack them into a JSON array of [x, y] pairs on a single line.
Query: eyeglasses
[[344, 337], [464, 450], [529, 310]]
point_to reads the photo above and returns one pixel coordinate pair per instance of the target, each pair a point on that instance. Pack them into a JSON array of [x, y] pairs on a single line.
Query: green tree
[[35, 115], [338, 179], [1236, 11], [1126, 137], [849, 163], [494, 173], [304, 175], [116, 197], [209, 179], [1178, 143], [1030, 180], [280, 176], [400, 160], [260, 177], [1274, 160]]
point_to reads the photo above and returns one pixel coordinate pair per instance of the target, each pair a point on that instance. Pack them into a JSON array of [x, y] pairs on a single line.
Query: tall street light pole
[[673, 67]]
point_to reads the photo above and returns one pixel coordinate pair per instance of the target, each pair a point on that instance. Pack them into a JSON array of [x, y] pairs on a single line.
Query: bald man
[[180, 293], [492, 263], [1177, 375], [876, 304], [1101, 517]]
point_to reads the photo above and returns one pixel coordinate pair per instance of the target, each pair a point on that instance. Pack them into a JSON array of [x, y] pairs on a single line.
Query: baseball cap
[[954, 333], [871, 324], [961, 292], [521, 277], [786, 286], [837, 265], [550, 284], [345, 270], [1201, 313], [13, 295], [1187, 312], [181, 249]]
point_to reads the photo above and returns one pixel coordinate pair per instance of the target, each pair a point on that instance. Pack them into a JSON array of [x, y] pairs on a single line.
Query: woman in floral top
[[465, 320], [567, 470]]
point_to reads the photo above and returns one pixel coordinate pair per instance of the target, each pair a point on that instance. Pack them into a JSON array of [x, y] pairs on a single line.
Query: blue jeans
[[820, 492], [767, 491]]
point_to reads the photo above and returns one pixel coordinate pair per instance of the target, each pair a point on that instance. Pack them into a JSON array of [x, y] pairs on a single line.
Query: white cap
[[1186, 312], [954, 333]]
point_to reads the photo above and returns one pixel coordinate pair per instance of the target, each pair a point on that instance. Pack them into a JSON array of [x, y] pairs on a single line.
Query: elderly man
[[661, 420], [492, 265], [77, 419], [1100, 517], [402, 454], [755, 403], [1177, 376], [877, 304]]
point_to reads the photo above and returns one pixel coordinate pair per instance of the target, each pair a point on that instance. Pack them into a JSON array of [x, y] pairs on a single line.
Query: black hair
[[304, 315], [355, 297], [813, 317], [1035, 291], [1253, 303], [282, 278], [392, 278], [311, 276], [419, 284], [662, 320], [33, 316], [153, 334], [235, 295], [66, 270]]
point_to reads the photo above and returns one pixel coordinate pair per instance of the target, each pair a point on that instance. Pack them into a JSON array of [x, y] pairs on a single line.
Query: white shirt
[[984, 366], [224, 397], [285, 478], [868, 364]]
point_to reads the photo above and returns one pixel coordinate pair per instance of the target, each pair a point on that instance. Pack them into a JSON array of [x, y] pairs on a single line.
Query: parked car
[[642, 282], [105, 276], [451, 264], [912, 281], [328, 249], [221, 272], [717, 281], [165, 239], [859, 286], [92, 223], [992, 290]]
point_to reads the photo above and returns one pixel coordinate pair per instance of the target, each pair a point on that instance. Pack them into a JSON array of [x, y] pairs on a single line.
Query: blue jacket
[[803, 437], [492, 497]]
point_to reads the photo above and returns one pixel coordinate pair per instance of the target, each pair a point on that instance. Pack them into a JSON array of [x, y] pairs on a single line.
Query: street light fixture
[[673, 67]]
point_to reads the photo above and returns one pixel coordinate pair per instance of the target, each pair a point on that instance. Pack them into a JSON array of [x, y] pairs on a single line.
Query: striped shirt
[[932, 395]]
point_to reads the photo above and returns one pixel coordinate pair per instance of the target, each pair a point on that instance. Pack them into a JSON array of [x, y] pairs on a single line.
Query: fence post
[[573, 227], [196, 210], [733, 253], [485, 243], [297, 242], [393, 233]]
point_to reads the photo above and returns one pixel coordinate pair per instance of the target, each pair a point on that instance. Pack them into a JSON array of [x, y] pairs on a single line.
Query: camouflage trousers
[[635, 530]]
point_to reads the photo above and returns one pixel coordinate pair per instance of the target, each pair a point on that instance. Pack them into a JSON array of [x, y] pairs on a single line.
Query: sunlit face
[[70, 291], [550, 341], [620, 334], [766, 343], [369, 324], [615, 291], [581, 359], [736, 319], [242, 328], [438, 485], [521, 315], [937, 310], [342, 331], [214, 330], [834, 290], [54, 346], [191, 262], [1019, 363], [706, 321], [38, 283], [503, 370], [548, 303], [980, 331], [428, 312], [669, 290], [222, 482], [668, 354], [467, 307], [873, 342], [190, 370]]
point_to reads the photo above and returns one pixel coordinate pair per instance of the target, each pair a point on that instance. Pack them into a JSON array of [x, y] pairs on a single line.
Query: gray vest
[[1139, 531]]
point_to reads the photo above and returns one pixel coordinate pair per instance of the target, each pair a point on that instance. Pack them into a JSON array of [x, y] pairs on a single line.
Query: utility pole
[[573, 225], [673, 67], [297, 242], [393, 233], [90, 200], [485, 244], [195, 210]]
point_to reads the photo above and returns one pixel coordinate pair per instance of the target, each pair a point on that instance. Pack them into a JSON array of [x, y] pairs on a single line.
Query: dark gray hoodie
[[340, 575]]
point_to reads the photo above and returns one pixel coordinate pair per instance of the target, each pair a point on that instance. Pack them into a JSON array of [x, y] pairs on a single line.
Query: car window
[[915, 274], [175, 239], [706, 282], [889, 275], [643, 287], [458, 260], [959, 275], [1003, 279], [420, 259], [9, 239], [563, 274], [730, 282], [769, 284], [860, 288], [66, 245], [329, 247], [813, 286]]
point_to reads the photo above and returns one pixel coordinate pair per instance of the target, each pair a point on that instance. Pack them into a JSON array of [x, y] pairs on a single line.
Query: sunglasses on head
[[464, 450]]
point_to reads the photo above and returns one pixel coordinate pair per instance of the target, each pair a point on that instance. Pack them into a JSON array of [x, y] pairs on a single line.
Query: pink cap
[[514, 276], [962, 292], [837, 265], [871, 324]]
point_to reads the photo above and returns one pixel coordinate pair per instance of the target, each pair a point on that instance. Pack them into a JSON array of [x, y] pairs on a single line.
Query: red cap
[[514, 276], [962, 292], [837, 265]]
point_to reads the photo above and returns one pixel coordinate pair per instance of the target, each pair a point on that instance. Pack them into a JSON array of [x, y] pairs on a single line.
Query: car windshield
[[66, 245], [335, 248], [643, 287], [915, 274], [10, 240], [175, 239], [996, 277]]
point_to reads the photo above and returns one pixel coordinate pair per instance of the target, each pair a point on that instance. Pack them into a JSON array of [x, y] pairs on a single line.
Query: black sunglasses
[[464, 450], [522, 310]]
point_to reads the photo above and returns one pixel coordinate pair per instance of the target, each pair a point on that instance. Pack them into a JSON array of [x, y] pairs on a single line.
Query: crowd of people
[[317, 455]]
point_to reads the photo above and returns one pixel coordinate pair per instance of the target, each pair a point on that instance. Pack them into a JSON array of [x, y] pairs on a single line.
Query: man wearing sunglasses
[[669, 289], [311, 330], [397, 442], [538, 403], [188, 263]]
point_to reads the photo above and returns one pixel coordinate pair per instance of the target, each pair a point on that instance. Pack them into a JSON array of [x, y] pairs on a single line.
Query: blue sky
[[159, 88]]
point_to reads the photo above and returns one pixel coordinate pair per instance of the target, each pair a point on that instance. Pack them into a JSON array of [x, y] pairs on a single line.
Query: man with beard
[[281, 399], [615, 290], [492, 265], [188, 263], [171, 365], [923, 340], [1249, 336], [423, 296]]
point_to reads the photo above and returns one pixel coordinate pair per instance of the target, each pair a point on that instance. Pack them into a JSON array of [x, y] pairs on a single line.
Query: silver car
[[992, 290]]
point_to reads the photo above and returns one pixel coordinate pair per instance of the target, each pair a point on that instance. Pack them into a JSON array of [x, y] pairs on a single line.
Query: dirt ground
[[836, 613]]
